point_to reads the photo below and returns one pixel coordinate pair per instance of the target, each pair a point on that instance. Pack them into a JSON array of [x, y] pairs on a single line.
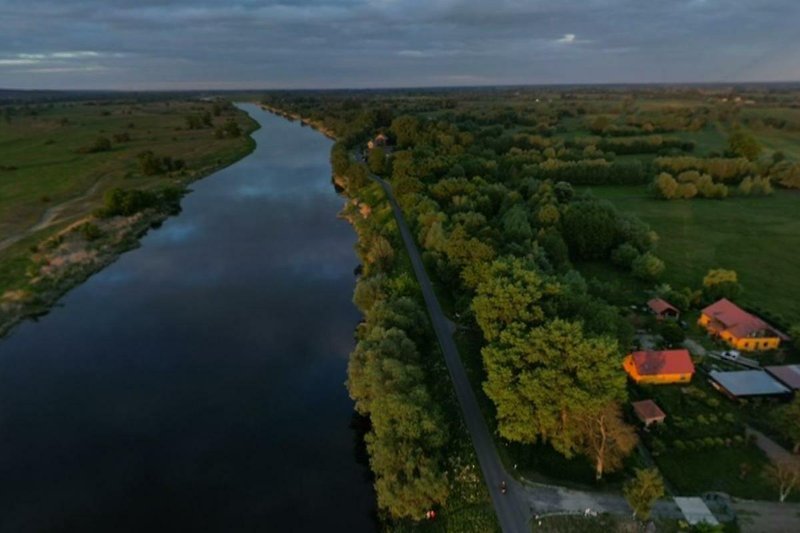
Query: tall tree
[[743, 144], [509, 293], [721, 283], [643, 491], [546, 382], [607, 439], [785, 475]]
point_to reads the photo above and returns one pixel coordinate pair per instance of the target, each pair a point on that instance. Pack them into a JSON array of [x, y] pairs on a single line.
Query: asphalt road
[[513, 510]]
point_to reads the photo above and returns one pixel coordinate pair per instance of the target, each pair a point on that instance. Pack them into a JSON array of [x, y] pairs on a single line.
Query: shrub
[[100, 144], [90, 231], [647, 267], [624, 255]]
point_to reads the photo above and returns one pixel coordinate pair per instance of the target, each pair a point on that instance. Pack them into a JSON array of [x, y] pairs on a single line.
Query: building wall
[[745, 344], [660, 379]]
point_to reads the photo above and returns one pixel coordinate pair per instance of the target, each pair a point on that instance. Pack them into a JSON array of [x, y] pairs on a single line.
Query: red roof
[[738, 321], [659, 306], [647, 410], [653, 363]]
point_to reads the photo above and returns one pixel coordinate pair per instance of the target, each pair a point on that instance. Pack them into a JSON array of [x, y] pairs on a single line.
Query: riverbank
[[318, 126], [38, 266]]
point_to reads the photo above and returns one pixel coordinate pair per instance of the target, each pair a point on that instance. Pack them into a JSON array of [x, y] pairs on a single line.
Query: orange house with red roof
[[740, 329], [659, 367]]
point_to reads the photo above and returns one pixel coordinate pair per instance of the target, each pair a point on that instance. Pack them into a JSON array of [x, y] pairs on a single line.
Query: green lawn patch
[[759, 238]]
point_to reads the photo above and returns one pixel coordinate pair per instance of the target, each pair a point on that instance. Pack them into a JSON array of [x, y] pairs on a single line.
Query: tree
[[376, 160], [100, 144], [790, 419], [549, 382], [515, 224], [379, 252], [563, 191], [643, 491], [647, 267], [232, 128], [510, 292], [666, 186], [405, 130], [785, 475], [671, 332], [743, 144], [624, 255], [795, 334], [607, 439], [149, 164], [590, 229], [721, 283]]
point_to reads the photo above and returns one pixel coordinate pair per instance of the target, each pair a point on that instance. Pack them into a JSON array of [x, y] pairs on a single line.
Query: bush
[[100, 144], [672, 333], [90, 231], [647, 267], [624, 255]]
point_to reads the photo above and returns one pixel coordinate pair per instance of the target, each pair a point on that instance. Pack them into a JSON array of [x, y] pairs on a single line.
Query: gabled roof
[[749, 383], [789, 375], [653, 363], [738, 321], [648, 410], [659, 306]]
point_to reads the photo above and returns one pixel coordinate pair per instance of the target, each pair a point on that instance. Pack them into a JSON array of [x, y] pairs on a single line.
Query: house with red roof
[[740, 329], [648, 412], [658, 367], [663, 309]]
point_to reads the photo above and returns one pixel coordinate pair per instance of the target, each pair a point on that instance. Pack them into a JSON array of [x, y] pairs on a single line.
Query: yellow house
[[740, 329], [659, 367]]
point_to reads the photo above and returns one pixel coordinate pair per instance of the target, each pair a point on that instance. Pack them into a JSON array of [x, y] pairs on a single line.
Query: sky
[[263, 44]]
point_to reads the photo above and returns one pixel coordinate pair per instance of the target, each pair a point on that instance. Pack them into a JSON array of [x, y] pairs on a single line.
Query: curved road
[[513, 511]]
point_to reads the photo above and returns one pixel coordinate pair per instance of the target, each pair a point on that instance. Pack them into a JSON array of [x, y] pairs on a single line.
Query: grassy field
[[757, 237], [49, 181], [49, 168]]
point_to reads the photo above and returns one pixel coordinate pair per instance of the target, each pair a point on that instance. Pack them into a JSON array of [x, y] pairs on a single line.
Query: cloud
[[382, 43], [568, 38]]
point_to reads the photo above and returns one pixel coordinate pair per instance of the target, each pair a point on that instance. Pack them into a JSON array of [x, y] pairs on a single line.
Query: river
[[197, 383]]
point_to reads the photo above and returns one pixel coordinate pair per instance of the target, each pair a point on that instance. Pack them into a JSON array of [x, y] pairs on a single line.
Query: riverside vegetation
[[495, 185], [81, 180]]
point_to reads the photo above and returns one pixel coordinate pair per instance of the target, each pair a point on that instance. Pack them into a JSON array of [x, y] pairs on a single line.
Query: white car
[[733, 355]]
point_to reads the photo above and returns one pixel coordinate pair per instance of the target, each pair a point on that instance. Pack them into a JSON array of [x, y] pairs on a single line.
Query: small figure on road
[[503, 487]]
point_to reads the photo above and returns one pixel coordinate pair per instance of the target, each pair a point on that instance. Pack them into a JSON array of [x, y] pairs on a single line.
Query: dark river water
[[197, 383]]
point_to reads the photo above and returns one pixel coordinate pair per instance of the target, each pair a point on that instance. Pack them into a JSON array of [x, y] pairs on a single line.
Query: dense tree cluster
[[150, 164], [100, 144], [651, 144], [489, 197], [721, 169], [122, 202]]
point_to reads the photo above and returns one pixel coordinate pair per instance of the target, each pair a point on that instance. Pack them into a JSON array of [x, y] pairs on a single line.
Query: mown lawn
[[738, 471], [757, 237]]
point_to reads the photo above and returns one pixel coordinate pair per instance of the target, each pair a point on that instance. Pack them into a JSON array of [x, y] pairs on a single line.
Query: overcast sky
[[157, 44]]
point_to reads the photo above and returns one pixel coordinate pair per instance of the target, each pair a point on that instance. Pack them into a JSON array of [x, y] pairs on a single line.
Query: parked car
[[733, 355]]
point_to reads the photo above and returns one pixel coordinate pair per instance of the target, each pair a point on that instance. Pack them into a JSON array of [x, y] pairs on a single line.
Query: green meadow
[[758, 237]]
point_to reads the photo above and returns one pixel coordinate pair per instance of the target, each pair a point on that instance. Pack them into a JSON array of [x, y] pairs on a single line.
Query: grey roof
[[748, 383], [789, 375], [695, 510]]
